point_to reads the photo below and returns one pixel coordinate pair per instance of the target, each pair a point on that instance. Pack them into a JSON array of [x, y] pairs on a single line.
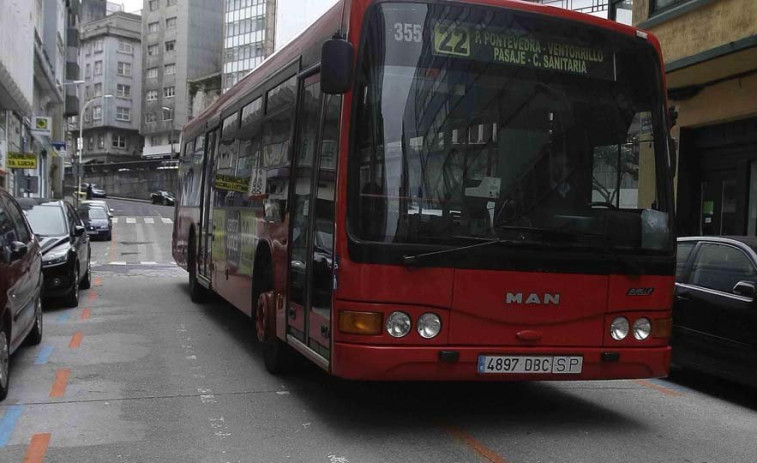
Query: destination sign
[[517, 48]]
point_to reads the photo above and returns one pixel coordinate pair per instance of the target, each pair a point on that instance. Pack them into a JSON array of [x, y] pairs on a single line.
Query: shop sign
[[42, 125], [22, 160]]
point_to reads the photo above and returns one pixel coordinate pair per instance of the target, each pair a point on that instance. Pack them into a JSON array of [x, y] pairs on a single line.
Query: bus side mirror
[[336, 66]]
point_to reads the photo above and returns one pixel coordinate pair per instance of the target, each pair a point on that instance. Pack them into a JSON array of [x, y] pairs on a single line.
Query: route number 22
[[451, 40], [406, 32]]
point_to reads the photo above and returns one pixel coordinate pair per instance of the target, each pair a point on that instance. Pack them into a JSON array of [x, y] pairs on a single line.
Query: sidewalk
[[127, 199]]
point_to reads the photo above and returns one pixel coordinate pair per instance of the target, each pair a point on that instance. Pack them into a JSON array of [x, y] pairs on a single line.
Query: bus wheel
[[277, 356], [196, 292]]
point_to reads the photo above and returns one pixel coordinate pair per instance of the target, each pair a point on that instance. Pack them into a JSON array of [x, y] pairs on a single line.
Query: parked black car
[[97, 220], [715, 310], [65, 248], [20, 286], [165, 198]]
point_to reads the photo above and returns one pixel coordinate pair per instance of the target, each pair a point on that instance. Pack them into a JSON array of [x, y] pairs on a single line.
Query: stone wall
[[135, 183]]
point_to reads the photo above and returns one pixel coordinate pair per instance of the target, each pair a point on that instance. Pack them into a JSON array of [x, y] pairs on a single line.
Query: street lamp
[[170, 137], [81, 140]]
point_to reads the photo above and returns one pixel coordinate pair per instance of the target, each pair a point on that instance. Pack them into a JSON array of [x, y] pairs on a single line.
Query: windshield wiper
[[414, 259], [552, 232]]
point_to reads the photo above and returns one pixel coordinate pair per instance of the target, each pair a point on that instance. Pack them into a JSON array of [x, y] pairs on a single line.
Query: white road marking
[[115, 219], [166, 220], [149, 220], [149, 262], [118, 263], [131, 220]]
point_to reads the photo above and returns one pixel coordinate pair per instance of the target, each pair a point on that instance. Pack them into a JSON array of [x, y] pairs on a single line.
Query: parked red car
[[20, 285]]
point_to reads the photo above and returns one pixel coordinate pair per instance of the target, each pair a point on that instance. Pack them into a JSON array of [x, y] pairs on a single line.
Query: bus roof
[[310, 40]]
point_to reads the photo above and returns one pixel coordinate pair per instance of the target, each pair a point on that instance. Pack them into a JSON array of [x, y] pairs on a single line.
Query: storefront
[[717, 179]]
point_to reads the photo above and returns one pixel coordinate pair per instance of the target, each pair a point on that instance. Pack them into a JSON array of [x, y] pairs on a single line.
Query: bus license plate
[[522, 364]]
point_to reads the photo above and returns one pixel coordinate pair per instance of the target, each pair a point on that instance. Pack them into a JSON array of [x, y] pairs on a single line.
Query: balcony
[[72, 37], [72, 70], [71, 101]]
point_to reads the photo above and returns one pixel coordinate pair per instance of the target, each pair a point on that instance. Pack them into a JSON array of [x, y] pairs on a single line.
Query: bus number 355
[[406, 32]]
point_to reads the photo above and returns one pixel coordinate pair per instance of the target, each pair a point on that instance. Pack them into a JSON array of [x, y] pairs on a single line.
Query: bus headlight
[[642, 328], [398, 324], [429, 325], [619, 328]]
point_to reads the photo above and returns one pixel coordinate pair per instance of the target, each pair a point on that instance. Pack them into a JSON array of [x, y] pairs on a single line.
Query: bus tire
[[277, 356], [197, 293]]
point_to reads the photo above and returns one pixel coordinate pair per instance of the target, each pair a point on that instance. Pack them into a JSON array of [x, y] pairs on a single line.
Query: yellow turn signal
[[662, 327], [351, 322]]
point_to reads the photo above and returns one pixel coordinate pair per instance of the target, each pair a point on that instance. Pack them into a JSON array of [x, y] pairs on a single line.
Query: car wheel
[[109, 236], [5, 360], [72, 298], [35, 335], [86, 282]]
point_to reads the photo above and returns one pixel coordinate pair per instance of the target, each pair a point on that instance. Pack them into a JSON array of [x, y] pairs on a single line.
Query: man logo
[[533, 298]]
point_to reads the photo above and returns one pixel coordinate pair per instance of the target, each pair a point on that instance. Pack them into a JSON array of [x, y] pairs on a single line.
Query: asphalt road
[[138, 373]]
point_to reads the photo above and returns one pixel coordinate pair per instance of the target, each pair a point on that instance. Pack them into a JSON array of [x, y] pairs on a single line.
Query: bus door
[[206, 222], [311, 234]]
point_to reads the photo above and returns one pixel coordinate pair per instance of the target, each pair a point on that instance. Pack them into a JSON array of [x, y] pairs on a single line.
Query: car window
[[22, 231], [682, 255], [77, 217], [92, 212], [71, 218], [46, 220], [7, 230], [720, 267]]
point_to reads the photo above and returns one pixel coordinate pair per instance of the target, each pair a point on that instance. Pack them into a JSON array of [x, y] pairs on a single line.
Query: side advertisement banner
[[234, 239]]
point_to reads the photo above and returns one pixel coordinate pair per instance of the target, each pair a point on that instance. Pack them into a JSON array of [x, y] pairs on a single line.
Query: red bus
[[442, 190]]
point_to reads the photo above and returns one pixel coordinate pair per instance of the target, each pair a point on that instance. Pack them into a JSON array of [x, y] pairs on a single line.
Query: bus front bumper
[[383, 363]]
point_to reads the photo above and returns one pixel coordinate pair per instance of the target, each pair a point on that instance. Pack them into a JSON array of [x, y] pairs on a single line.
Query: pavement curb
[[128, 199]]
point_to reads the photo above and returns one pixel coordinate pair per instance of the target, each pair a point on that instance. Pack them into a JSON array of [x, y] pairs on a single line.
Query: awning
[[712, 66]]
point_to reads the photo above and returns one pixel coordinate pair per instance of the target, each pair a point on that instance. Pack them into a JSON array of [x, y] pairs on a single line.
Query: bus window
[[277, 130], [281, 95]]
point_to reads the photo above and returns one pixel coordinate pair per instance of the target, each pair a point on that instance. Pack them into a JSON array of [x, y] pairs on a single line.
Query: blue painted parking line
[[63, 317], [44, 355], [8, 423]]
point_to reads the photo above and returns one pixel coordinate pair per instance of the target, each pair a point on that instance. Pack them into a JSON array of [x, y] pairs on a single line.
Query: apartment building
[[710, 53], [111, 57], [36, 65], [181, 42], [249, 34]]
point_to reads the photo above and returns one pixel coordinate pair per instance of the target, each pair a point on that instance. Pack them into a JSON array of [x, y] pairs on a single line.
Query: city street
[[138, 373]]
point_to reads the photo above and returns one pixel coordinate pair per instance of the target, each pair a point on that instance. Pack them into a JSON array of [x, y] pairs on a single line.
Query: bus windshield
[[481, 122]]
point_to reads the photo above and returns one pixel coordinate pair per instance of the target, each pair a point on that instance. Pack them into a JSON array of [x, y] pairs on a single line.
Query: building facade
[[710, 53], [615, 10], [111, 57], [249, 31], [37, 60], [203, 92], [181, 42], [92, 10]]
